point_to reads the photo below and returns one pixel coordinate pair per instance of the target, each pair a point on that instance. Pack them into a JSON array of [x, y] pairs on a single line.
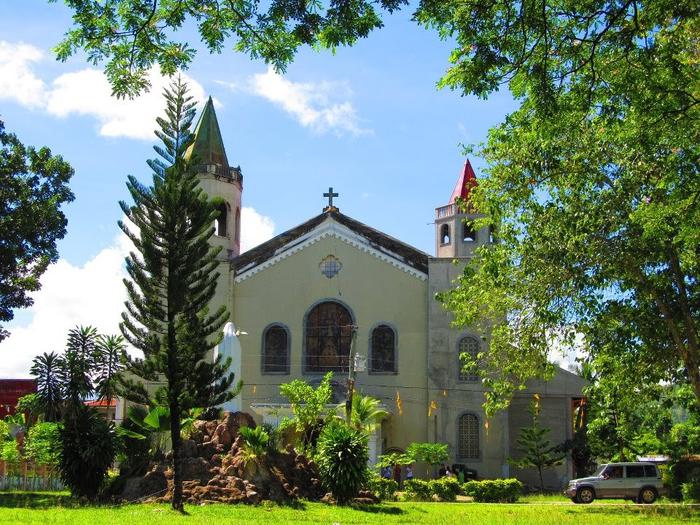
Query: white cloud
[[566, 347], [91, 294], [17, 80], [255, 228], [311, 104], [85, 92]]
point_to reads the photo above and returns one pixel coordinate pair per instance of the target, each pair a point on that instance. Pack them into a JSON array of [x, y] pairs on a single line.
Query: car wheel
[[585, 495], [647, 495]]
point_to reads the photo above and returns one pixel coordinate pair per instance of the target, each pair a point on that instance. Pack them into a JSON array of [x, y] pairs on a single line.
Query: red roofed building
[[112, 410], [465, 183], [10, 392], [456, 235]]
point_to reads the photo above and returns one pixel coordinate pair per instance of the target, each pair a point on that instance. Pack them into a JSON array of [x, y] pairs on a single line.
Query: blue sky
[[368, 121]]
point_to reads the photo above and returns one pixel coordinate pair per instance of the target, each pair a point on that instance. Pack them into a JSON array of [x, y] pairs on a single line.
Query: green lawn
[[17, 507]]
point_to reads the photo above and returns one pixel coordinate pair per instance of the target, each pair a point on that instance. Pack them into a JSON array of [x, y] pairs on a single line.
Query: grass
[[59, 508]]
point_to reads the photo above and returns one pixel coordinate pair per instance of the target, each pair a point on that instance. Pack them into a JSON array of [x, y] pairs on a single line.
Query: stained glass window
[[383, 351], [330, 266], [470, 346], [468, 437], [276, 350], [328, 338]]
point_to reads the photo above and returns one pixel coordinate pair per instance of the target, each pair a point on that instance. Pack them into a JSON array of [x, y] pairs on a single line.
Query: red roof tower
[[465, 183]]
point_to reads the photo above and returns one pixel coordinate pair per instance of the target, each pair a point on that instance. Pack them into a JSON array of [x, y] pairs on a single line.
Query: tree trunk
[[539, 470], [177, 503], [686, 343], [109, 406]]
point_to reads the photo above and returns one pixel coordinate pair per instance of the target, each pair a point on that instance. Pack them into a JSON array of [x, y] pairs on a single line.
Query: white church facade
[[300, 301]]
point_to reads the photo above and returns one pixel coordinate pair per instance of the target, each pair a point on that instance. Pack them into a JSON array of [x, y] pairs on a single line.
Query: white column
[[375, 439]]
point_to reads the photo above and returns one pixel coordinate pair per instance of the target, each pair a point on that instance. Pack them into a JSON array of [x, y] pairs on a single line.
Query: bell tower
[[220, 181], [455, 234]]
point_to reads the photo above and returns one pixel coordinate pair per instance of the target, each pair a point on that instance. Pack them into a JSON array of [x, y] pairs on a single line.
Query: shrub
[[88, 451], [211, 414], [691, 490], [342, 455], [446, 489], [114, 484], [383, 488], [677, 473], [9, 451], [44, 443], [134, 444], [494, 490], [255, 441], [275, 441], [418, 490]]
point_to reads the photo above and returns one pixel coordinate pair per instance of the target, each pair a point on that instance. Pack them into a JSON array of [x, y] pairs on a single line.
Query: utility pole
[[351, 377]]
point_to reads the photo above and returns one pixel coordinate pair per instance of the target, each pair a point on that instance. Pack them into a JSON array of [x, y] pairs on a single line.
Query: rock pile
[[215, 468]]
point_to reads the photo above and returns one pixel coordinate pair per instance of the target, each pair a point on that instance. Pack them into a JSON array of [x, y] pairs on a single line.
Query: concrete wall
[[458, 247], [455, 397], [230, 191]]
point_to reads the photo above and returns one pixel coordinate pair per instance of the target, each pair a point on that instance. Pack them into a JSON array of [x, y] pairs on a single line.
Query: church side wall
[[453, 397], [374, 291], [498, 436]]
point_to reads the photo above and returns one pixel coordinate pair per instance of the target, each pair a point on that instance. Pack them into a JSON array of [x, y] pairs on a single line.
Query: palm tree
[[79, 361], [366, 412], [108, 360], [47, 368]]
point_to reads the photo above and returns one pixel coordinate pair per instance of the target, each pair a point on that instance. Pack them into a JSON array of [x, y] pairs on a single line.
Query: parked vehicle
[[638, 481]]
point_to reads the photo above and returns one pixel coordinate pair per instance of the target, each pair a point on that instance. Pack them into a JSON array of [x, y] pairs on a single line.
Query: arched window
[[237, 231], [275, 355], [329, 328], [220, 223], [383, 350], [468, 437], [468, 231], [445, 234], [468, 345]]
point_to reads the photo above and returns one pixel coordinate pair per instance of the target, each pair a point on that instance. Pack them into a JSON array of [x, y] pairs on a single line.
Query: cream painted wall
[[374, 291]]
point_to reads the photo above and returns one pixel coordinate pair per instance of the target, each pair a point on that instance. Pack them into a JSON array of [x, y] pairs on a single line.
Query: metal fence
[[27, 475]]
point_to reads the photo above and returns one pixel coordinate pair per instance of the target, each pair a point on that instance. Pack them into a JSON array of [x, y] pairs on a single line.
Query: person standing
[[397, 474]]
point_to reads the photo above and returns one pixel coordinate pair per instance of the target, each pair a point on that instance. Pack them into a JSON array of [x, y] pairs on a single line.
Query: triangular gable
[[332, 224]]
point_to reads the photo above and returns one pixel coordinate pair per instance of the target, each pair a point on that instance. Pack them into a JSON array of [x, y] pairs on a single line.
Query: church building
[[301, 302]]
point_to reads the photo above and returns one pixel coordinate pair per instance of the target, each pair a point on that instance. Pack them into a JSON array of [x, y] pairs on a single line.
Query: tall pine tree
[[172, 280], [537, 451]]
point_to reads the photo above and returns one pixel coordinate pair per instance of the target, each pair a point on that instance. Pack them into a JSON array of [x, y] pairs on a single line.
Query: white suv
[[640, 482]]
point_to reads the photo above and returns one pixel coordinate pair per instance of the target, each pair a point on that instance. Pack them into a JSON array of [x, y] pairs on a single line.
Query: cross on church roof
[[330, 196]]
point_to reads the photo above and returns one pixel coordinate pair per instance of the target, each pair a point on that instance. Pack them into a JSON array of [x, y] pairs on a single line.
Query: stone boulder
[[153, 484], [215, 467], [196, 468], [188, 448]]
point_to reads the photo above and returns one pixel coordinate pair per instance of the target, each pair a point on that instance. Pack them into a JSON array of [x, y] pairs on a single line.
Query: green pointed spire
[[208, 145]]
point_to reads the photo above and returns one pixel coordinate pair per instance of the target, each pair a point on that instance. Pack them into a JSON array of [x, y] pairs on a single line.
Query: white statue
[[230, 346]]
